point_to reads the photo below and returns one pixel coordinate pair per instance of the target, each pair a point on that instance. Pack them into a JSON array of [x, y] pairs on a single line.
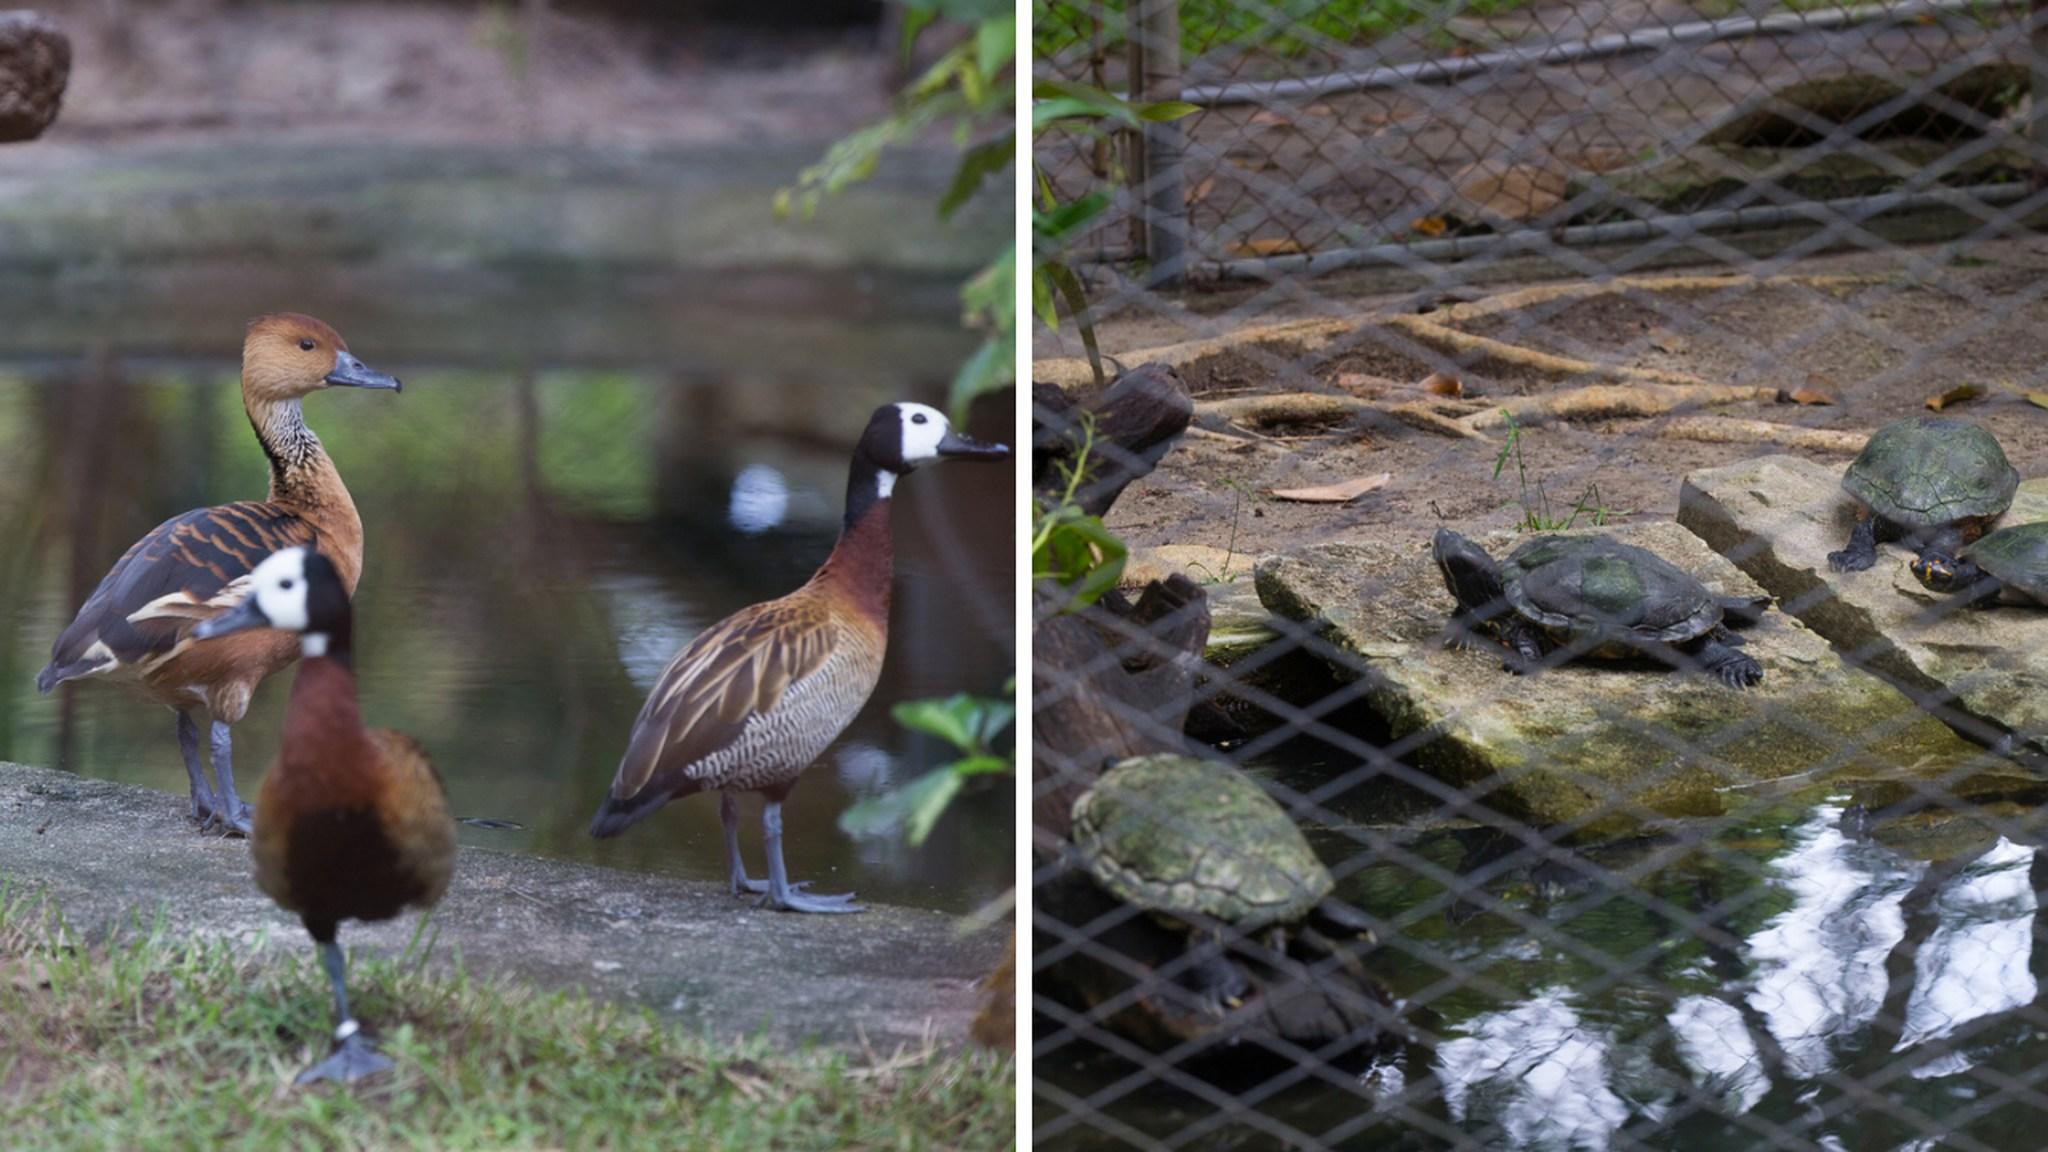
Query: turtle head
[[1469, 572], [1941, 566]]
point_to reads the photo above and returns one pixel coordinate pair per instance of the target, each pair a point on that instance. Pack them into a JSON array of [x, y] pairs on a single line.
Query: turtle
[[1201, 847], [1931, 482], [2008, 566], [1596, 597]]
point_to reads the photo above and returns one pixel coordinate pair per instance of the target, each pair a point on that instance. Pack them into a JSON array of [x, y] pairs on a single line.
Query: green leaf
[[995, 45], [1069, 286], [980, 162], [913, 809], [1163, 110], [915, 22], [956, 719]]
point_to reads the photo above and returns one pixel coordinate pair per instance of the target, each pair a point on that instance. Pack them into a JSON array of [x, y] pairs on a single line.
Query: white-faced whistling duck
[[351, 823], [756, 697], [137, 625]]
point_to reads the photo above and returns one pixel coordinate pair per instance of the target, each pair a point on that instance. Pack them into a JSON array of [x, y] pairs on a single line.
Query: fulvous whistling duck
[[756, 697], [351, 823], [138, 624]]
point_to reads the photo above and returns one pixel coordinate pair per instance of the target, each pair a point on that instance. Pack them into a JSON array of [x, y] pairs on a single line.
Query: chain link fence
[[1508, 728]]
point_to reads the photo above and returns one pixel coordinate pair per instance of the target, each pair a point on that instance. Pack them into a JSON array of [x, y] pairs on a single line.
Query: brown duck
[[137, 626], [351, 823], [758, 696]]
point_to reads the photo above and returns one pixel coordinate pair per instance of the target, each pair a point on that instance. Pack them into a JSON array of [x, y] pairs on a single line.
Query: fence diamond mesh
[[1578, 676]]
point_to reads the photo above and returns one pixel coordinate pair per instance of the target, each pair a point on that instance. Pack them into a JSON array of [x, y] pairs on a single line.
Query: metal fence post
[[1162, 144], [2037, 112]]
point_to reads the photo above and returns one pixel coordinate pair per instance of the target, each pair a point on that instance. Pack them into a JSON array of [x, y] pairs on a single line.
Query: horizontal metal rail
[[1619, 231], [1450, 69]]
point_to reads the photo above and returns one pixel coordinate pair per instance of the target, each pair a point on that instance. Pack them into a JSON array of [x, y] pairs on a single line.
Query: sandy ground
[[1920, 327]]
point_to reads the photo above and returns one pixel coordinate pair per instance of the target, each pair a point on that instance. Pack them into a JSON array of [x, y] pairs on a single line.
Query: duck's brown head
[[286, 355]]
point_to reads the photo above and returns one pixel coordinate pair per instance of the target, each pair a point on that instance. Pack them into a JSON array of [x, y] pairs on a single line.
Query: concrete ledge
[[106, 852]]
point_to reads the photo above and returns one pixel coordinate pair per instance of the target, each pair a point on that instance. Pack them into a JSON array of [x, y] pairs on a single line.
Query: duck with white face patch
[[352, 822], [757, 697]]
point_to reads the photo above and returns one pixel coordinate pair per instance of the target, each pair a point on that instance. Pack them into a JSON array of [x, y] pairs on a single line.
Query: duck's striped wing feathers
[[187, 569], [737, 669]]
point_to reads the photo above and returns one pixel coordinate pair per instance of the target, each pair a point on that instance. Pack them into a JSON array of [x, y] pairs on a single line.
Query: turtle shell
[[1932, 470], [2016, 556], [1184, 836], [1576, 586]]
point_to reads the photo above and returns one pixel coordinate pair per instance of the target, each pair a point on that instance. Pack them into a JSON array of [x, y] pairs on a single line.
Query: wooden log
[[1284, 409], [1137, 420], [1728, 430], [35, 65], [1609, 401]]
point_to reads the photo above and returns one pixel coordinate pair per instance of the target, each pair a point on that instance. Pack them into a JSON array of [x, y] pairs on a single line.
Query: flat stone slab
[[1779, 516], [1601, 747], [107, 852]]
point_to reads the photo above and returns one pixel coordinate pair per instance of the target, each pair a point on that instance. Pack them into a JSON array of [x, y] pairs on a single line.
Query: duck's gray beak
[[954, 446], [350, 372], [240, 618]]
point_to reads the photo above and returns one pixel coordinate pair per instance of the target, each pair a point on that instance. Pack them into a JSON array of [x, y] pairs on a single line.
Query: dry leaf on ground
[[1442, 384], [1955, 395], [1340, 493]]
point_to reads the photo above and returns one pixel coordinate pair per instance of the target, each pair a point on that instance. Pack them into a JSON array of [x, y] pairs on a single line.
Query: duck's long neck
[[863, 563], [303, 479], [323, 713]]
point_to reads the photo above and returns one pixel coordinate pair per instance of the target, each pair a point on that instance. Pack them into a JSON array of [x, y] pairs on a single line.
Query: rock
[[1598, 747], [1491, 191], [35, 65], [1779, 516]]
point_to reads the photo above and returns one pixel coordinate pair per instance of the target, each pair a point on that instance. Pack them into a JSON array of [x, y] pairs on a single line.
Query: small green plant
[[968, 88], [1241, 492], [972, 725], [1069, 548], [1537, 515]]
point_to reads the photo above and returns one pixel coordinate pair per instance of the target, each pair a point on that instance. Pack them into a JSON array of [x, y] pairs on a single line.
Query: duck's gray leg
[[228, 812], [202, 794], [354, 1057], [742, 884], [781, 893]]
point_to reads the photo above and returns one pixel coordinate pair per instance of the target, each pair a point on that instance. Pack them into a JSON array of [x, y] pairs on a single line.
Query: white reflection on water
[[1718, 1051], [1534, 1071], [651, 624], [1976, 962], [760, 499], [1820, 964]]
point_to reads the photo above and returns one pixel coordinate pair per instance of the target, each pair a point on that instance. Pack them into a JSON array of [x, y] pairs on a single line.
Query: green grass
[[154, 1041], [1281, 27]]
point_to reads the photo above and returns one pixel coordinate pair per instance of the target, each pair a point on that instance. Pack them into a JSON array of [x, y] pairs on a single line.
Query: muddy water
[[1786, 980], [561, 497]]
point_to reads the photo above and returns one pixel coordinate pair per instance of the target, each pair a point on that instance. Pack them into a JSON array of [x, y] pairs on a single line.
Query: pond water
[[575, 480], [1786, 980]]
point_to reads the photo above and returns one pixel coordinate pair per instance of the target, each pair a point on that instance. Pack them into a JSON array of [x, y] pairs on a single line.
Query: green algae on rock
[[1778, 516], [1598, 749]]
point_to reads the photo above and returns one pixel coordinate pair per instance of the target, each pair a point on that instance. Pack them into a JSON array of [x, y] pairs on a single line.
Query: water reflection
[[1978, 963], [1536, 1073], [1850, 992], [1820, 966], [539, 544]]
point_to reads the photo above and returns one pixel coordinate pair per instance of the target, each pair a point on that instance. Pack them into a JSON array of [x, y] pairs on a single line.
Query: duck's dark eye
[[287, 584], [918, 418], [306, 345]]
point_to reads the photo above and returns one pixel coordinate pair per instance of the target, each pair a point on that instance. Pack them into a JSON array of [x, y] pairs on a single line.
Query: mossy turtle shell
[[1596, 585], [1930, 471], [2017, 556], [1183, 836]]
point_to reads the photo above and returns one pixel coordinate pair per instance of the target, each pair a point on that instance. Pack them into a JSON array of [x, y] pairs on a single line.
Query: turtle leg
[[1344, 956], [1215, 981], [1862, 550], [1525, 646], [1722, 660], [1463, 633]]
